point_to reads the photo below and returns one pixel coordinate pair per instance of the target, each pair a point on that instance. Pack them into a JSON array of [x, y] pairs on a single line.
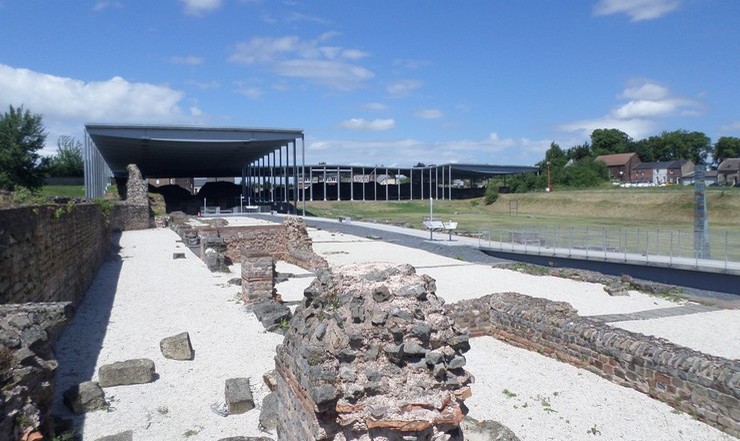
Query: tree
[[68, 160], [686, 145], [21, 137], [578, 152], [726, 147], [610, 141]]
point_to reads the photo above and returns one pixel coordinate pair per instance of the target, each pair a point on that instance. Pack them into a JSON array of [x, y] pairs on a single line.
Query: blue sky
[[381, 82]]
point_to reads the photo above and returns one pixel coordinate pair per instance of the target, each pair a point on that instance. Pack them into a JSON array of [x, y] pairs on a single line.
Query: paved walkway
[[654, 313]]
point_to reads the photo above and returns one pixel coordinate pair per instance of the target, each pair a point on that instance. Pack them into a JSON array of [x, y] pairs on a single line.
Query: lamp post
[[549, 185]]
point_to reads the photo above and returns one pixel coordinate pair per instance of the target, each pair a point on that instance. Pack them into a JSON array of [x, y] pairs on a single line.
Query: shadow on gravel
[[79, 346]]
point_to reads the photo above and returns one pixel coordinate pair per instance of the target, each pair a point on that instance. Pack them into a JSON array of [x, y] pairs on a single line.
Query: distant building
[[659, 173], [620, 165], [728, 172]]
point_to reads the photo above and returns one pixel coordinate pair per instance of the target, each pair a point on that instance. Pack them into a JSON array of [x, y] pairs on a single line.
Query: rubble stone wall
[[288, 241], [27, 366], [50, 253], [133, 213], [371, 355], [702, 385]]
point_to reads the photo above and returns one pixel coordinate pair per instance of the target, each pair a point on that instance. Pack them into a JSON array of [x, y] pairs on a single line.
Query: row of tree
[[22, 137], [576, 167]]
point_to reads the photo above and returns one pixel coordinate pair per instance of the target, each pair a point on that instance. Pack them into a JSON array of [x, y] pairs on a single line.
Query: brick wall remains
[[50, 253], [702, 385], [258, 276], [288, 241]]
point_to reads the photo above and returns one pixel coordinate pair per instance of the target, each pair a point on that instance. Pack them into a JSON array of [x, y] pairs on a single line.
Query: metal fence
[[633, 244]]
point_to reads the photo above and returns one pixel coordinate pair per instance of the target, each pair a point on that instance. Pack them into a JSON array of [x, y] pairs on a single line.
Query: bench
[[436, 225]]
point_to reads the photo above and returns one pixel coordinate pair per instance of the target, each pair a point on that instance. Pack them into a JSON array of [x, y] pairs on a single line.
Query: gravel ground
[[144, 296], [136, 301]]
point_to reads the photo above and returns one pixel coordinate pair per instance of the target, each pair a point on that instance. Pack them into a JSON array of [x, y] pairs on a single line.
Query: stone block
[[269, 412], [239, 395], [177, 347], [84, 397], [137, 371], [178, 255], [122, 436]]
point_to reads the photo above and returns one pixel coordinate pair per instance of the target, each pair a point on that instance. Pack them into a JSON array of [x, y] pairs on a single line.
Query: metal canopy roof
[[458, 171], [185, 151]]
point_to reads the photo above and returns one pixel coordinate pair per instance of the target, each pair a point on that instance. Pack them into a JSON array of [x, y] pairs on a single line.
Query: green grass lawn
[[69, 191]]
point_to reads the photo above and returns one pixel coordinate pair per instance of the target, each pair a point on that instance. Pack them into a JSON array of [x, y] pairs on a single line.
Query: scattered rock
[[616, 289], [177, 347], [269, 411], [239, 395], [274, 316], [84, 397], [215, 261], [138, 371], [178, 255], [123, 436], [246, 438], [235, 281], [270, 379], [487, 430]]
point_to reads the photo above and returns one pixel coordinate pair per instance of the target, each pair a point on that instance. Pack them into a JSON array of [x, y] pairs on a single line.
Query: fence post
[[657, 241], [727, 239], [671, 252], [647, 246], [603, 240], [588, 240], [625, 244], [570, 243]]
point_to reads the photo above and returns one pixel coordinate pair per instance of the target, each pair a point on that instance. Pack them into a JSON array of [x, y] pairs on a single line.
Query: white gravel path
[[154, 297], [150, 296], [458, 280], [715, 332], [556, 401]]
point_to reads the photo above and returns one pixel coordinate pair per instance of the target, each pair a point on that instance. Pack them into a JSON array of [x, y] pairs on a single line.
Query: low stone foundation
[[371, 355], [702, 385], [288, 241], [27, 366]]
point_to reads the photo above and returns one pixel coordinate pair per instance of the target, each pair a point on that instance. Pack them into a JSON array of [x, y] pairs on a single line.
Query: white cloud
[[191, 60], [199, 7], [195, 111], [402, 88], [312, 60], [429, 114], [647, 101], [375, 125], [105, 4], [405, 152], [213, 84], [250, 92], [60, 98], [733, 127], [375, 106], [637, 10], [294, 17]]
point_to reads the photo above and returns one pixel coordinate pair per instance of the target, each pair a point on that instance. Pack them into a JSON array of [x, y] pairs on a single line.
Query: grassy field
[[659, 208], [70, 191]]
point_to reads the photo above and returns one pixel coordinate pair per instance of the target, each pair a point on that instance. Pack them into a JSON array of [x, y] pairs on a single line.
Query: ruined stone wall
[[133, 213], [50, 253], [370, 354], [702, 385], [27, 365], [288, 241]]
